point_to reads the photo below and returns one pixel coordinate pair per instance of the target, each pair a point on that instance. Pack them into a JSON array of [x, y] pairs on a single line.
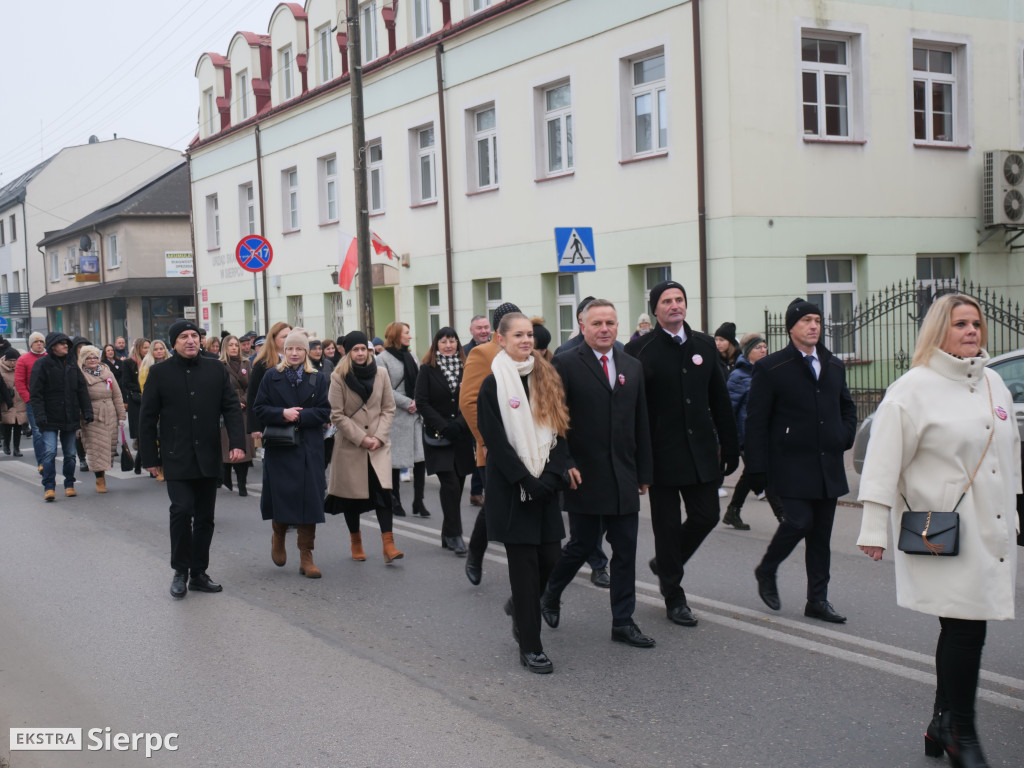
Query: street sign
[[574, 247], [3, 325], [206, 313], [254, 253], [178, 264], [189, 313], [206, 295]]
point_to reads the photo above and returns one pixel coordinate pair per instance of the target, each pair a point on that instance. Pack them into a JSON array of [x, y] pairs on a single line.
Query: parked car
[[1010, 368]]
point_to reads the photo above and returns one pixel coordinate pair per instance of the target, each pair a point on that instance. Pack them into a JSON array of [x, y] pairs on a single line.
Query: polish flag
[[349, 263]]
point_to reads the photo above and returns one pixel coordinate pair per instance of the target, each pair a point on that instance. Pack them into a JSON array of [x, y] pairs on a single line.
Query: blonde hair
[[268, 352], [210, 341], [393, 334], [937, 323], [224, 347], [345, 364], [307, 366], [85, 351], [547, 393], [149, 361]]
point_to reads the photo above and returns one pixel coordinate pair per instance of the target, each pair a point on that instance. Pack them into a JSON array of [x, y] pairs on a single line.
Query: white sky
[[73, 69]]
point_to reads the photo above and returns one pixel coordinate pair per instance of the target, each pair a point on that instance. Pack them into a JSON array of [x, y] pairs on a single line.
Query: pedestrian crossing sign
[[575, 249]]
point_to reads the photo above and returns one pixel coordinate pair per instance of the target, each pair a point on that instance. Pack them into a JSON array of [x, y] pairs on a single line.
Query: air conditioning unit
[[1003, 200]]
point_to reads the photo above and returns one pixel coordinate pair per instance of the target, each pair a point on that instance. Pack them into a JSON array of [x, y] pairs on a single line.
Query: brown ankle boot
[[390, 553], [307, 535], [101, 485], [277, 551], [357, 546]]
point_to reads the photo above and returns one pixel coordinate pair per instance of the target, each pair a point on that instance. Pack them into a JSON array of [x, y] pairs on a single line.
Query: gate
[[877, 339]]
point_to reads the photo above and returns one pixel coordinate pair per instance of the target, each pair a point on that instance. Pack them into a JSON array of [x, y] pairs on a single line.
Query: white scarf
[[532, 442]]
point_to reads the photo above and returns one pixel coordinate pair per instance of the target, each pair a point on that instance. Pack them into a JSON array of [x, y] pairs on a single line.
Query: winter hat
[[583, 305], [32, 337], [505, 309], [378, 341], [315, 343], [177, 328], [297, 338], [353, 339], [56, 337], [663, 286], [11, 354], [259, 341], [798, 308], [79, 341], [644, 318], [541, 337], [728, 332], [4, 345], [750, 341]]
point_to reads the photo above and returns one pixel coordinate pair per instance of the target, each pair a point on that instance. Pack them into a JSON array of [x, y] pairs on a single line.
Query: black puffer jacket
[[60, 397]]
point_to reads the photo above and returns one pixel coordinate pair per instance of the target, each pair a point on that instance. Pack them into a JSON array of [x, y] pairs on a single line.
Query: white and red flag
[[348, 253]]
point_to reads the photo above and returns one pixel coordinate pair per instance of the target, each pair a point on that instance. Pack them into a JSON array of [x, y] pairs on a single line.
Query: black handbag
[[127, 460], [280, 436], [434, 439]]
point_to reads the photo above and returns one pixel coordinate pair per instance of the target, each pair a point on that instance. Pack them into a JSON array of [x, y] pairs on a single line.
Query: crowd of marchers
[[587, 430]]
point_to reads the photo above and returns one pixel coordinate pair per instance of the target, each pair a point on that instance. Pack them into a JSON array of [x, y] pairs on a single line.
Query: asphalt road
[[410, 665]]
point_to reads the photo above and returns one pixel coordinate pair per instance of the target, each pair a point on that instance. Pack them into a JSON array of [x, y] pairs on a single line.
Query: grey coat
[[407, 428]]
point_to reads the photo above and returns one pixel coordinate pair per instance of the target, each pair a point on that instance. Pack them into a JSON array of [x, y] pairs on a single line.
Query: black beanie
[[177, 328], [798, 308], [663, 286], [583, 305], [505, 309], [352, 339], [728, 332], [541, 337]]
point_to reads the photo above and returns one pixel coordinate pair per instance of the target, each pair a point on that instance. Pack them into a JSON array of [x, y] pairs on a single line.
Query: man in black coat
[[60, 401], [179, 424], [693, 438], [610, 462], [800, 421]]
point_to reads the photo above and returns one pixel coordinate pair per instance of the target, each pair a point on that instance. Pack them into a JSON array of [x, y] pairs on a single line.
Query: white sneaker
[[406, 476], [722, 493]]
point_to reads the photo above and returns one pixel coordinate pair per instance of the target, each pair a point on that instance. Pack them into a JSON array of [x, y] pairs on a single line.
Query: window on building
[[212, 222], [648, 104], [296, 318], [113, 255], [832, 285], [826, 85], [290, 199], [54, 267], [493, 298], [327, 171], [421, 18], [557, 130], [3, 234], [247, 209], [284, 71], [375, 175], [71, 261], [434, 309], [424, 164], [16, 281], [479, 5], [565, 299], [209, 110], [242, 87], [936, 96], [936, 275], [3, 285], [368, 32], [14, 229], [484, 129], [324, 54], [654, 274]]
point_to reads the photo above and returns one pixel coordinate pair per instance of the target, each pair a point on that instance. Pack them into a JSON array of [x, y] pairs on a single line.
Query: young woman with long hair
[[132, 392], [270, 354], [238, 371], [157, 354]]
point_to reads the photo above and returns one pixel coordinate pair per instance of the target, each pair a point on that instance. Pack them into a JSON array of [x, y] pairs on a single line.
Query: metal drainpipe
[[195, 254], [263, 229], [702, 232], [446, 203], [28, 291]]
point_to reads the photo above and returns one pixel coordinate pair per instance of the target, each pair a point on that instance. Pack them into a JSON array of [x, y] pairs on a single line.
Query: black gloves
[[757, 481], [729, 465], [452, 431], [537, 490]]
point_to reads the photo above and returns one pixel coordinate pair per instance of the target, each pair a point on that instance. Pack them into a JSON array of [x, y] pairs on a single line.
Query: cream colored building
[[843, 143]]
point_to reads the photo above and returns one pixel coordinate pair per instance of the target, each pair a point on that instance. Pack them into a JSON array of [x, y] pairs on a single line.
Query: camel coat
[[355, 420], [100, 437], [477, 368], [15, 415]]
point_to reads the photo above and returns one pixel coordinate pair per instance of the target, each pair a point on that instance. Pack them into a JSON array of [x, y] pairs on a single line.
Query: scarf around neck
[[360, 379], [451, 367], [531, 441], [239, 372], [409, 364]]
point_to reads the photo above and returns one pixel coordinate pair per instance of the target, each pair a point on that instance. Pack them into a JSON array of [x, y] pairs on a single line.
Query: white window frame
[[71, 261], [325, 54], [492, 297], [959, 82], [375, 176], [284, 70], [296, 315], [566, 323], [657, 90], [654, 274], [246, 209], [482, 137], [208, 107], [423, 159], [433, 308], [823, 294], [3, 284], [327, 173], [368, 30], [242, 86], [563, 118], [475, 6], [290, 218], [14, 229], [113, 255], [420, 18], [212, 222], [820, 72], [3, 237], [54, 266]]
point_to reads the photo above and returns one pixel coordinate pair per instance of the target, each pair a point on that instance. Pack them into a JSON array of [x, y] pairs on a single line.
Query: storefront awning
[[133, 286]]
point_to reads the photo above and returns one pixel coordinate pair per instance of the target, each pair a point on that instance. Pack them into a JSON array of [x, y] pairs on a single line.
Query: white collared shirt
[[681, 334]]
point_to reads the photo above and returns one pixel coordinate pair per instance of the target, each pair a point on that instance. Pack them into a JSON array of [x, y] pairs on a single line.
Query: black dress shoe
[[653, 563], [630, 634], [599, 578], [537, 663], [398, 510], [474, 568], [823, 611], [455, 544], [203, 583], [768, 590], [682, 615], [18, 454], [550, 609], [178, 584]]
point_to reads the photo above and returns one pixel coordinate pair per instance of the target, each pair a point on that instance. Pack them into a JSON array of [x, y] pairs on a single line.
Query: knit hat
[[378, 341], [750, 341], [644, 318], [505, 309], [728, 332], [541, 337], [352, 339], [798, 308], [259, 341], [11, 354], [34, 336], [297, 338], [663, 286], [177, 328], [315, 343], [583, 305]]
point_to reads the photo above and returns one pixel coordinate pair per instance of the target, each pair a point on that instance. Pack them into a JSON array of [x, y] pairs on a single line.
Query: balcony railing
[[14, 304]]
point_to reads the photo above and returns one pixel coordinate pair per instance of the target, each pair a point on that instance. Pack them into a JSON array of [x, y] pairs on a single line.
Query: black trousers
[[192, 503], [476, 484], [452, 485], [675, 539], [810, 520], [596, 558], [957, 666], [529, 567], [622, 532], [478, 539]]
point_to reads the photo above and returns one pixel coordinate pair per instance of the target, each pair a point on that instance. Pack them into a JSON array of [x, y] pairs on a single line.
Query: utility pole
[[359, 156]]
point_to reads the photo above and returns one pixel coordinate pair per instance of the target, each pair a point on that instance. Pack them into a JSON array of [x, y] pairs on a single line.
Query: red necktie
[[604, 364]]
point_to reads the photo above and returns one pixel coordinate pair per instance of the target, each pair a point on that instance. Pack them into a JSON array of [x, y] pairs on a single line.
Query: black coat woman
[[447, 443], [522, 418], [294, 394]]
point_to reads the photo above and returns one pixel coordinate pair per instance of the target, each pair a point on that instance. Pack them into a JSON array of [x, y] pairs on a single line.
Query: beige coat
[[101, 437], [355, 420], [926, 439], [15, 415]]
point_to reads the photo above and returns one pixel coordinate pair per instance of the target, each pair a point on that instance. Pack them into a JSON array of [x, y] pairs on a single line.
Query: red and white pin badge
[[697, 359], [622, 380], [1001, 412], [514, 402]]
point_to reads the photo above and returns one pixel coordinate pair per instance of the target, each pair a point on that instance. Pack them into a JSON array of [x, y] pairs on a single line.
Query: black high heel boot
[[16, 439], [964, 749], [419, 479], [396, 497], [242, 470], [7, 438], [937, 736]]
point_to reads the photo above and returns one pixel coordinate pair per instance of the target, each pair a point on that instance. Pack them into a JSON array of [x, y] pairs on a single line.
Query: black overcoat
[[60, 396], [294, 484], [439, 407], [609, 436], [256, 374], [510, 520], [692, 426], [132, 394], [798, 427], [179, 419]]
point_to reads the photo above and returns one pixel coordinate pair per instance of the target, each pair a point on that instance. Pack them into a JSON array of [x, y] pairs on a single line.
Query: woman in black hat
[[728, 348]]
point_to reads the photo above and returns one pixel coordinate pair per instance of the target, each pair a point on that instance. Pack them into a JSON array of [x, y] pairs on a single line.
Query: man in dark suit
[[610, 461], [693, 438], [179, 419], [800, 420]]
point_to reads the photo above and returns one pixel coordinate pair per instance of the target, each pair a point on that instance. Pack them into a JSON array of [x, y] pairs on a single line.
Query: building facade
[[842, 147]]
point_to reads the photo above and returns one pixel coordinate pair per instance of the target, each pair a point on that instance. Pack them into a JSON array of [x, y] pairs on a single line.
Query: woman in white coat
[[945, 432]]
